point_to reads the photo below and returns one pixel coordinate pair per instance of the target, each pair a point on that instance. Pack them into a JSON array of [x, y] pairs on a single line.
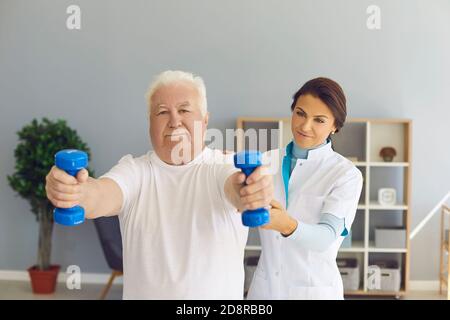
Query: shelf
[[374, 205], [357, 246], [372, 248], [355, 293], [387, 250], [253, 248], [388, 164], [380, 164], [375, 293]]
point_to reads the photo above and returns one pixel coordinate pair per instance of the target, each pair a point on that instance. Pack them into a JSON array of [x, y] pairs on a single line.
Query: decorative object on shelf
[[373, 277], [353, 159], [388, 154], [387, 196]]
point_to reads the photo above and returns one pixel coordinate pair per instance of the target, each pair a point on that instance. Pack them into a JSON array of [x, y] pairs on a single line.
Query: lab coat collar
[[313, 154]]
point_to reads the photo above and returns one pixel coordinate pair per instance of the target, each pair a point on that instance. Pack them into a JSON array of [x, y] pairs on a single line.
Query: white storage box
[[390, 238], [390, 279], [349, 271], [350, 278], [390, 275]]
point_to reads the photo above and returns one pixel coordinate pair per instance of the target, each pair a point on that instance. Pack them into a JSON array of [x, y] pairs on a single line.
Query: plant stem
[[45, 238]]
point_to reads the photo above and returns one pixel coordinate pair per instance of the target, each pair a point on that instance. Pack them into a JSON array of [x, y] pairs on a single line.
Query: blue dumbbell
[[71, 161], [248, 161]]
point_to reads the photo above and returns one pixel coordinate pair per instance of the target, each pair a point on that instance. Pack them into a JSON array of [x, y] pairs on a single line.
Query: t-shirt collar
[[198, 159]]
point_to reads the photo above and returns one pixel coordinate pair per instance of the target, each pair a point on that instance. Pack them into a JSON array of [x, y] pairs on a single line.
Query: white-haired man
[[182, 236]]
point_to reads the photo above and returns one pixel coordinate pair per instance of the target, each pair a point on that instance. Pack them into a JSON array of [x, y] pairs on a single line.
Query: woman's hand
[[280, 220]]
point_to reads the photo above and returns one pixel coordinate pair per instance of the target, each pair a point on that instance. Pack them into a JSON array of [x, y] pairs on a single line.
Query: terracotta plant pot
[[44, 281]]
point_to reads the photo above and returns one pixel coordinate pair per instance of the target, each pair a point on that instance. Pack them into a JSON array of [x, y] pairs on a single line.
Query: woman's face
[[312, 122]]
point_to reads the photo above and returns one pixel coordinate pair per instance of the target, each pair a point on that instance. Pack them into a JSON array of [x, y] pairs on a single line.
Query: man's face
[[177, 125]]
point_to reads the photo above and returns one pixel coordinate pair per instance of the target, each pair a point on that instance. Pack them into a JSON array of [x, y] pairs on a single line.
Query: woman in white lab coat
[[315, 200]]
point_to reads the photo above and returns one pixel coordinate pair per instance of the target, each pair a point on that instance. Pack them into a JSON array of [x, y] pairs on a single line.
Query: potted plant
[[38, 143]]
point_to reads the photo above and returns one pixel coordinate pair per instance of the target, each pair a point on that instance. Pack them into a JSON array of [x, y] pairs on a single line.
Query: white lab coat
[[326, 182]]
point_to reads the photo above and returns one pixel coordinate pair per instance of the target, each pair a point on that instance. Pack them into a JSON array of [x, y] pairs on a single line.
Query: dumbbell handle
[[71, 161], [248, 161]]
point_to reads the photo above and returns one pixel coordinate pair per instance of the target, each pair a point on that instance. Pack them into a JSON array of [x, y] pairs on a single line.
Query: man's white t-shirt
[[181, 237]]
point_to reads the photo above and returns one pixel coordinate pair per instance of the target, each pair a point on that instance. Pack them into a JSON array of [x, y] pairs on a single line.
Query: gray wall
[[252, 54]]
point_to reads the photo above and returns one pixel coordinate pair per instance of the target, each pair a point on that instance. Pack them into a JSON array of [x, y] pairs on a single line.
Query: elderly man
[[177, 206]]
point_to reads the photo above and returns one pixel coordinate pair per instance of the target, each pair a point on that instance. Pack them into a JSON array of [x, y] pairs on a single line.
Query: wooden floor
[[21, 290]]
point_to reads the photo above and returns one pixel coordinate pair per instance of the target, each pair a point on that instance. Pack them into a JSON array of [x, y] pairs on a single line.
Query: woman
[[316, 196]]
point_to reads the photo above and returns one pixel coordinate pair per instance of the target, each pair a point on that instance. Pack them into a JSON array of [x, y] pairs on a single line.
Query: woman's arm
[[319, 237], [316, 237]]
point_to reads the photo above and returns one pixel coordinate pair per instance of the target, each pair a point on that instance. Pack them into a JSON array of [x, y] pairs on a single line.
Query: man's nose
[[175, 120]]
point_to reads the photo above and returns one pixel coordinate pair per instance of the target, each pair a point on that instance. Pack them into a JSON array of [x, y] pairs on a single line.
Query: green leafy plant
[[38, 143]]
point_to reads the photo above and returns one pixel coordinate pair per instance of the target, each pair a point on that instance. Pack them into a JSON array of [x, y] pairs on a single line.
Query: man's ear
[[206, 119]]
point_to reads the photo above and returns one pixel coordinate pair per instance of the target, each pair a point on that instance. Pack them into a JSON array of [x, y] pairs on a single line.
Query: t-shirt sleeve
[[125, 174], [343, 199], [224, 170]]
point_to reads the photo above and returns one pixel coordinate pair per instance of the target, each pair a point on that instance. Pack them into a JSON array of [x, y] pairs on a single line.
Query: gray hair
[[171, 77]]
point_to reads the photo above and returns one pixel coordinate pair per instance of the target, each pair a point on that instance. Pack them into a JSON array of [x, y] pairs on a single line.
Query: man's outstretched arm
[[98, 197]]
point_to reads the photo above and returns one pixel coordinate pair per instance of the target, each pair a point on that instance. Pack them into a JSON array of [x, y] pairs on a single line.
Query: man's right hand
[[252, 192], [99, 197], [64, 190]]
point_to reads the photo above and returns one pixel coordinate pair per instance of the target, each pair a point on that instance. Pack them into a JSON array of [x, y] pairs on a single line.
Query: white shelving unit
[[376, 134], [361, 139]]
